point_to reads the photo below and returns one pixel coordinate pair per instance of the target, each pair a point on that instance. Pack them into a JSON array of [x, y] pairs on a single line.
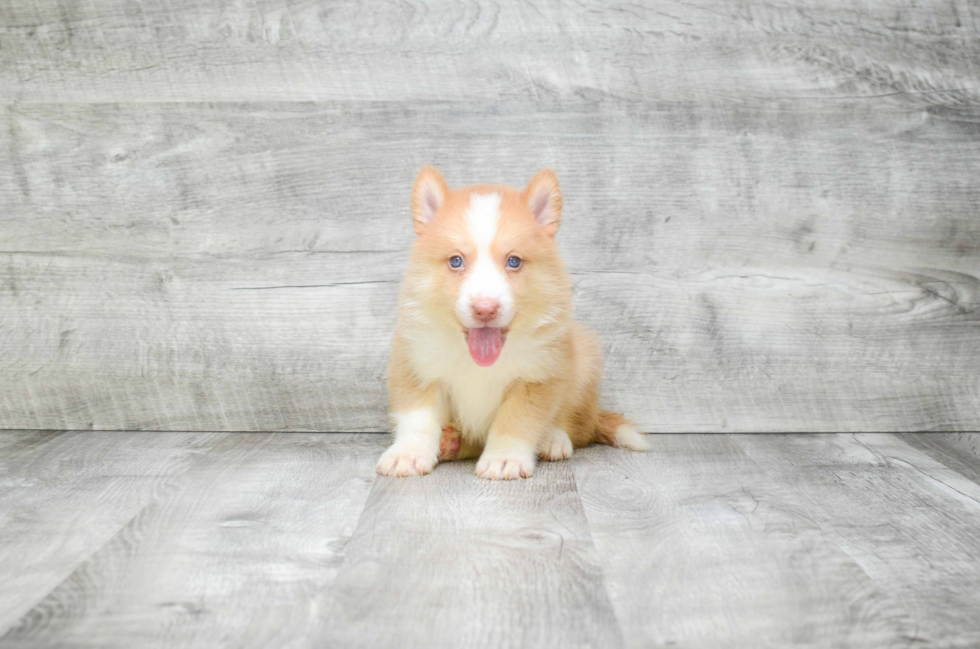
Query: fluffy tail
[[616, 430]]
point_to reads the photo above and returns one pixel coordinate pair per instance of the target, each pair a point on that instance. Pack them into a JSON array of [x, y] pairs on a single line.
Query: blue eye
[[456, 262], [514, 262]]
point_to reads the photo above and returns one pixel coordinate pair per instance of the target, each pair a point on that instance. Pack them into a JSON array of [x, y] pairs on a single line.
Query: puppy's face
[[486, 261]]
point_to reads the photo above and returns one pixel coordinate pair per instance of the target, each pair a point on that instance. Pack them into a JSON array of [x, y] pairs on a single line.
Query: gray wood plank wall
[[772, 212]]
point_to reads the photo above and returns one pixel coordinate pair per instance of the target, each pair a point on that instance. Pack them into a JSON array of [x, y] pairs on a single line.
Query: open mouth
[[485, 344]]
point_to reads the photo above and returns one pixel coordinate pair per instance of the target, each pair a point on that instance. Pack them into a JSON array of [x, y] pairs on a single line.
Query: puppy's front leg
[[417, 432], [526, 413]]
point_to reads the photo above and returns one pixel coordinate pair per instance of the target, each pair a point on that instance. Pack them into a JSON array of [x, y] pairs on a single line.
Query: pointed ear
[[544, 199], [428, 195]]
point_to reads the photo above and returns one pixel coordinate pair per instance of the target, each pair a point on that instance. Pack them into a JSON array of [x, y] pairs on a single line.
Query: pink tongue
[[485, 344]]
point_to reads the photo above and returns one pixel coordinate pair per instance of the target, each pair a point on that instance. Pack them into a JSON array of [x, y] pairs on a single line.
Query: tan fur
[[547, 377]]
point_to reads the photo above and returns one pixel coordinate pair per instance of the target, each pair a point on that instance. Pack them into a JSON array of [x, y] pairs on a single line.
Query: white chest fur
[[475, 393], [474, 399]]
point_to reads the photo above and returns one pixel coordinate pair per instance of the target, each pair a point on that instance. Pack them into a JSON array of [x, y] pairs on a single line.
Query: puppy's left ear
[[543, 197]]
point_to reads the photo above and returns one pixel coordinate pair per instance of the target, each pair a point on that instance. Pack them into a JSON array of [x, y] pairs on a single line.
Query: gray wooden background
[[772, 210]]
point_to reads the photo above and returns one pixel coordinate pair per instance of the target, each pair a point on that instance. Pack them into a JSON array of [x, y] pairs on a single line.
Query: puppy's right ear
[[428, 195]]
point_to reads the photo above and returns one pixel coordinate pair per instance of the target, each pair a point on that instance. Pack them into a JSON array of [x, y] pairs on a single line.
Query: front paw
[[505, 466], [404, 461]]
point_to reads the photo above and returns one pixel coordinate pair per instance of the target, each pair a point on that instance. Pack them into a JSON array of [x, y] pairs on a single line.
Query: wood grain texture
[[63, 495], [245, 549], [701, 548], [958, 451], [450, 560], [289, 540], [909, 521], [264, 297], [705, 50], [772, 210]]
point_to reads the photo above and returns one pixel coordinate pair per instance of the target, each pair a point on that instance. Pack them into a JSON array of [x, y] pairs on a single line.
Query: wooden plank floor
[[134, 539]]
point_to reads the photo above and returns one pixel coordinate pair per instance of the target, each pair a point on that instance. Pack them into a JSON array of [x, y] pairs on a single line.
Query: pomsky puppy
[[486, 346]]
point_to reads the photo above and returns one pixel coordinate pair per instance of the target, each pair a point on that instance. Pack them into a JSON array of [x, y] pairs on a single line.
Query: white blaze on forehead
[[482, 219], [485, 279]]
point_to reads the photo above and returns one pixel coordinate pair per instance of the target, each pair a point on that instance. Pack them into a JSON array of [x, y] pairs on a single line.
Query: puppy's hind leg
[[453, 445], [449, 443], [555, 445]]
